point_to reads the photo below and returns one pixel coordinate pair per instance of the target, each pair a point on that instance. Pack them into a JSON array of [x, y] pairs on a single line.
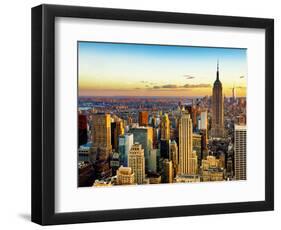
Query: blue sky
[[128, 69]]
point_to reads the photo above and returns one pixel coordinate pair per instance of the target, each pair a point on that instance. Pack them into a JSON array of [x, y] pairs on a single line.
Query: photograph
[[143, 114], [160, 114]]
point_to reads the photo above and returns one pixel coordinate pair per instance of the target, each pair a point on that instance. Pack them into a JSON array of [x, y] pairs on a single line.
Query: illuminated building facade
[[240, 148], [165, 127], [186, 161], [143, 118], [125, 176], [137, 163]]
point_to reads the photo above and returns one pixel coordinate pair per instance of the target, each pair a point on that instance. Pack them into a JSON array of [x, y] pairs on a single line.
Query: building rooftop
[[240, 127], [125, 170]]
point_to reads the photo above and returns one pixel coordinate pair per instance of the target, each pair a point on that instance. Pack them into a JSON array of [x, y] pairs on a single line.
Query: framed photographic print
[[142, 114]]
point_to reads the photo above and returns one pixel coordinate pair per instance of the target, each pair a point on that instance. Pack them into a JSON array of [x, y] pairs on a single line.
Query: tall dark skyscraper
[[217, 108], [101, 138], [82, 129]]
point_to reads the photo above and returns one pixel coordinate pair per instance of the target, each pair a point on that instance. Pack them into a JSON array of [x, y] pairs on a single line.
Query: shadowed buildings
[[152, 162], [164, 148], [117, 129], [174, 156], [154, 178], [167, 173], [82, 130], [126, 141], [144, 136]]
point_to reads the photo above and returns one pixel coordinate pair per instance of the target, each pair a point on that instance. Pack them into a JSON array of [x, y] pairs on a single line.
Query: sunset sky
[[115, 69]]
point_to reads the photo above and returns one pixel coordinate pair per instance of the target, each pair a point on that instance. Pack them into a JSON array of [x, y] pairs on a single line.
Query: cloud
[[170, 86], [186, 86], [187, 76], [197, 85]]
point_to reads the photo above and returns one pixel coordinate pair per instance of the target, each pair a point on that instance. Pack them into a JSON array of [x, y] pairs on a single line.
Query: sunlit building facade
[[165, 127], [240, 148], [125, 176], [143, 118], [137, 163], [186, 156]]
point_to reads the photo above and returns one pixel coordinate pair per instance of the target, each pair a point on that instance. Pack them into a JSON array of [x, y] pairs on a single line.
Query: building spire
[[218, 70]]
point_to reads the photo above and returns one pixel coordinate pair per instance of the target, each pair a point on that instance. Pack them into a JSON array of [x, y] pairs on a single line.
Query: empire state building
[[217, 129]]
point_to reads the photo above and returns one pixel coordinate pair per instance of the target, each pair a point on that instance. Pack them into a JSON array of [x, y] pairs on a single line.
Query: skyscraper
[[174, 156], [217, 108], [152, 161], [82, 129], [164, 148], [101, 134], [165, 127], [167, 175], [144, 136], [204, 142], [143, 118], [192, 109], [240, 148], [203, 120], [137, 163], [185, 144], [126, 141], [117, 129], [233, 94], [100, 152]]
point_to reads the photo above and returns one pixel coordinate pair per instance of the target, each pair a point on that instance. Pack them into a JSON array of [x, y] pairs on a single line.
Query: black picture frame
[[43, 114]]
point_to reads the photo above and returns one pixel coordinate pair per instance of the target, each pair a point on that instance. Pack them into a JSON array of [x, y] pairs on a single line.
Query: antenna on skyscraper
[[217, 69]]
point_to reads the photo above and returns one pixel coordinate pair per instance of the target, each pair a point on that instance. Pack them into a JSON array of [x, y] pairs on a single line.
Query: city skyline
[[117, 69], [165, 130]]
